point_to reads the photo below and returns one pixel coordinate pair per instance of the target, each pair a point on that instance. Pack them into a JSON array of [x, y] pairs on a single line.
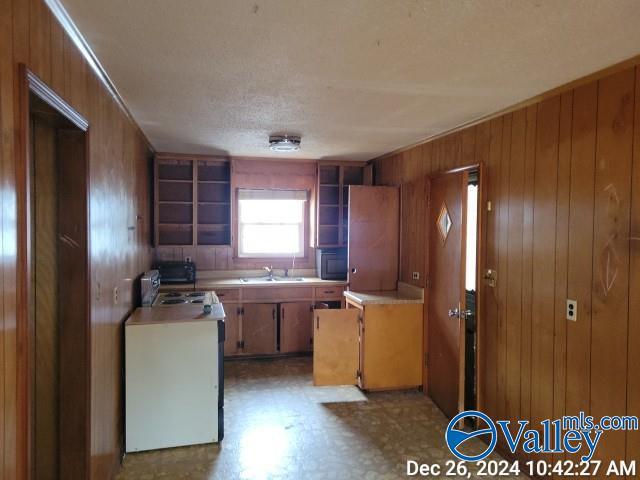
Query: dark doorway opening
[[54, 253], [471, 292]]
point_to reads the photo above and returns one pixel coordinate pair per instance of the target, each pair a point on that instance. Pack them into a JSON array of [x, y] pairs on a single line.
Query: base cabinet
[[259, 328], [274, 320], [295, 327], [335, 350], [377, 347], [232, 330]]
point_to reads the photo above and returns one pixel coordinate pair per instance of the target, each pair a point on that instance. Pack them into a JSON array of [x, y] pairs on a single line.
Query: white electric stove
[[167, 299], [174, 377]]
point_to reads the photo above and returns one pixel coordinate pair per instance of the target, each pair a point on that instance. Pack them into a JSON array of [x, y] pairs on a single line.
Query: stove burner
[[197, 301], [195, 294], [173, 301], [172, 294]]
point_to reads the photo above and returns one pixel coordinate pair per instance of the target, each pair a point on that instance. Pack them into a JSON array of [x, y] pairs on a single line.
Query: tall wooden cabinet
[[192, 200]]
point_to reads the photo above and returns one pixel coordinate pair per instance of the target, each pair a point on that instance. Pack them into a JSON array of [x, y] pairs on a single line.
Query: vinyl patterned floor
[[279, 426]]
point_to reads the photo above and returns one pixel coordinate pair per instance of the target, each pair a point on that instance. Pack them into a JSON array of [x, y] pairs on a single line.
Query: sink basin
[[258, 280], [271, 279]]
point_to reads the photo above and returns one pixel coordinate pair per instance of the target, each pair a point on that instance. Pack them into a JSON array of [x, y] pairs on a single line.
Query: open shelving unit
[[193, 201], [214, 203], [333, 202]]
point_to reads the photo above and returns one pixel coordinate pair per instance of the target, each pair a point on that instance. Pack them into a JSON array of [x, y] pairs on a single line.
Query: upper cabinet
[[373, 244], [192, 200], [333, 200]]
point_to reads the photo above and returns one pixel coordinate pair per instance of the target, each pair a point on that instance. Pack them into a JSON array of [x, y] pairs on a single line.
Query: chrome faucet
[[269, 270]]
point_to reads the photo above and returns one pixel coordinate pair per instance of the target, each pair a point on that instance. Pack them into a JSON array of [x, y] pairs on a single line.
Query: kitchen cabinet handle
[[317, 323], [329, 291], [354, 270], [282, 313]]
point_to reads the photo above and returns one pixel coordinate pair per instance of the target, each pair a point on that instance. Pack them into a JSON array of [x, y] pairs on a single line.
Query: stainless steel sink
[[258, 280], [271, 279]]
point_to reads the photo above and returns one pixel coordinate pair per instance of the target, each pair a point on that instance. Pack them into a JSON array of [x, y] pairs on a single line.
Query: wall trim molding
[[69, 26], [47, 95]]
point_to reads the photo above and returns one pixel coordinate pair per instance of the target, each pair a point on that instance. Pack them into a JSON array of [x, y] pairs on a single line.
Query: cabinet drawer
[[276, 293], [328, 292], [228, 294]]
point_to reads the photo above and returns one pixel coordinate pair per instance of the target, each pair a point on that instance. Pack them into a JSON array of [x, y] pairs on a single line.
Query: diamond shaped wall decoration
[[444, 223]]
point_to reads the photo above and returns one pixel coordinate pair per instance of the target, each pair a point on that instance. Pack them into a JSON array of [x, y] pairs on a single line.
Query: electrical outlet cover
[[572, 310]]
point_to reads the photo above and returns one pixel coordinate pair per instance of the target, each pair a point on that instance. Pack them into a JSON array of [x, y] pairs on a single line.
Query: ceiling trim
[[69, 26], [605, 72]]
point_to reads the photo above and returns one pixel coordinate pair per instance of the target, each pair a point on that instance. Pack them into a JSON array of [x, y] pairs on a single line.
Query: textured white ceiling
[[356, 78]]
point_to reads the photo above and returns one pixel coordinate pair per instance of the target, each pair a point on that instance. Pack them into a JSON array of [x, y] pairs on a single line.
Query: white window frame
[[266, 195]]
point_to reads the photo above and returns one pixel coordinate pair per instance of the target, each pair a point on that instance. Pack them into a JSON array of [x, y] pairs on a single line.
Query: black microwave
[[331, 263]]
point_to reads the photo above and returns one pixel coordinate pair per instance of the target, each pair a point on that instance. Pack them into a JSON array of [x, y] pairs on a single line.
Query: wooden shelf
[[166, 180], [333, 199], [193, 201]]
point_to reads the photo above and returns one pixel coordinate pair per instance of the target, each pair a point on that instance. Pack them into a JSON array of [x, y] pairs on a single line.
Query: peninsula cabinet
[[377, 346]]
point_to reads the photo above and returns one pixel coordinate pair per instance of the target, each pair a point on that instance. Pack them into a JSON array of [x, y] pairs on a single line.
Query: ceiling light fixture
[[284, 143]]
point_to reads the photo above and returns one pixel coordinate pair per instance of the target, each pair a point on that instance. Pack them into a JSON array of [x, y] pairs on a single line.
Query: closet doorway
[[54, 325]]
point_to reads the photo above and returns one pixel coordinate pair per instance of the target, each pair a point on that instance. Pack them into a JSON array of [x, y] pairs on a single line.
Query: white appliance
[[174, 377]]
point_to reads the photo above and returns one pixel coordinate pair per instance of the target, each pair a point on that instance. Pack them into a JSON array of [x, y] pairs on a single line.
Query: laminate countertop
[[212, 284], [403, 295], [175, 314]]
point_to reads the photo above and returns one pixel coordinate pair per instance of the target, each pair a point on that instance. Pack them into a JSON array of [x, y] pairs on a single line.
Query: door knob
[[462, 314], [354, 270]]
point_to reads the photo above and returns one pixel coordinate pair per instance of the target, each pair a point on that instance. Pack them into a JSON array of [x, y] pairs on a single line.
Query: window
[[271, 223]]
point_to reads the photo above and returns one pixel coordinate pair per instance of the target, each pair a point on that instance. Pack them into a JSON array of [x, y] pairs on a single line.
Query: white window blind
[[271, 223]]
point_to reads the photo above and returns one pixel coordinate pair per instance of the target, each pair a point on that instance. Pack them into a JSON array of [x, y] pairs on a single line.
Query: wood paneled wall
[[120, 214], [563, 177]]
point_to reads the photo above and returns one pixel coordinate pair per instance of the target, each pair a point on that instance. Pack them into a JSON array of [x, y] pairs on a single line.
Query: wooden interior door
[[336, 349], [447, 238], [374, 219], [295, 327], [44, 310], [59, 297], [259, 328], [231, 329]]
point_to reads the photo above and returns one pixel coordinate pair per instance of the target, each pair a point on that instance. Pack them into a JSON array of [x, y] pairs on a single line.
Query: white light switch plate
[[572, 310]]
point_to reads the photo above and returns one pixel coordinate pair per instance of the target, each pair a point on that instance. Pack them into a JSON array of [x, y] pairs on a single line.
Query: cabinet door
[[374, 222], [231, 329], [295, 327], [335, 346], [259, 328]]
